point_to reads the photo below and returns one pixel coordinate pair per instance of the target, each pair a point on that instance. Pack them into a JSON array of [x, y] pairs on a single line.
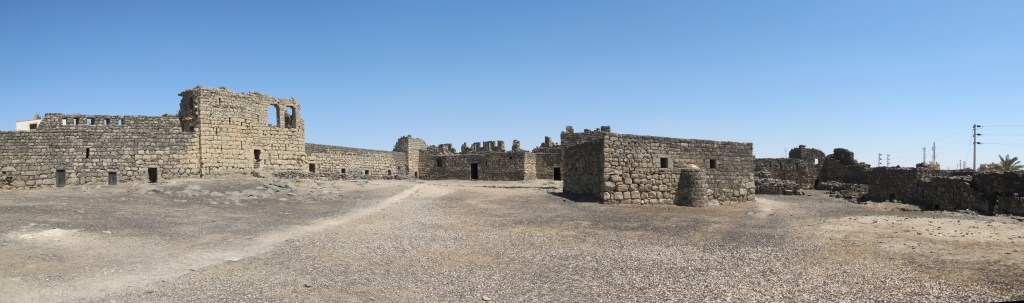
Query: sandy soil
[[460, 241]]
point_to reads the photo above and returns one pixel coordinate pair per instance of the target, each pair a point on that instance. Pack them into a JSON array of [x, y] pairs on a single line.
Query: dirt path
[[78, 264]]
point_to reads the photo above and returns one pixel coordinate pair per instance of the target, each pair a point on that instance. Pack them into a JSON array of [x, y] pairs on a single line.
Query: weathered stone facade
[[646, 169], [802, 167], [355, 163], [238, 133], [481, 161], [96, 149], [924, 186]]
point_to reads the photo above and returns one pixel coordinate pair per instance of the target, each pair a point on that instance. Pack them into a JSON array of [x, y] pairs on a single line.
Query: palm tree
[[1009, 164]]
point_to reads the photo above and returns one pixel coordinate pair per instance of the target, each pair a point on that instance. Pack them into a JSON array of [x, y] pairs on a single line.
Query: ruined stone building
[[621, 168], [218, 132], [924, 185]]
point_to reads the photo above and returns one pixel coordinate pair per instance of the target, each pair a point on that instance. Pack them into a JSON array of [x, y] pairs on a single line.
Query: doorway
[[256, 154], [112, 178], [474, 171], [558, 174], [62, 178], [152, 175]]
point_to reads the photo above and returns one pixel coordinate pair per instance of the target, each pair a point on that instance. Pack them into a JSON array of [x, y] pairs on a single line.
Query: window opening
[[112, 178], [713, 164], [272, 118], [558, 174], [312, 168], [87, 150], [664, 162], [289, 117], [152, 174], [474, 171]]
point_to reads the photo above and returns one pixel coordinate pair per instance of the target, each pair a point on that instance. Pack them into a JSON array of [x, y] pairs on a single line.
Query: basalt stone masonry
[[924, 185], [218, 132], [620, 168]]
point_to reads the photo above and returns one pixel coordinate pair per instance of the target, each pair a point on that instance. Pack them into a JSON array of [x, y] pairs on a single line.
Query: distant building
[[27, 124]]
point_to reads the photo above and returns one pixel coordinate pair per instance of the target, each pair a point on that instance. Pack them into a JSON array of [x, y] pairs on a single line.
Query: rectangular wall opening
[[440, 162], [62, 178], [273, 119], [713, 164], [152, 174], [389, 172], [87, 150], [664, 162], [474, 171], [112, 178], [258, 155], [343, 170], [33, 126], [366, 172], [558, 174], [312, 168]]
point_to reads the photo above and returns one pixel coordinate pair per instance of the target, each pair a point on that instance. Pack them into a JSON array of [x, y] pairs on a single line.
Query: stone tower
[[240, 133]]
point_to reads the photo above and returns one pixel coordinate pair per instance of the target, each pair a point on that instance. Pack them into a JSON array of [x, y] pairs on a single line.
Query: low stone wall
[[355, 163], [800, 172], [772, 186]]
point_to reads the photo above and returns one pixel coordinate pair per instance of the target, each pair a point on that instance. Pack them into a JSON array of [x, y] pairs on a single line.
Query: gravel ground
[[456, 241]]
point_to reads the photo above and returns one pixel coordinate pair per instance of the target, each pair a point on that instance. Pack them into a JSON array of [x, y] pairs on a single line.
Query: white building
[[27, 124]]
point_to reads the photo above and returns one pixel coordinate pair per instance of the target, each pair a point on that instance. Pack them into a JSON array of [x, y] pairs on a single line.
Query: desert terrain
[[278, 240]]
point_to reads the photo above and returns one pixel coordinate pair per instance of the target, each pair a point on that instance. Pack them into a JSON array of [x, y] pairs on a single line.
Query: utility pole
[[974, 164], [933, 152], [924, 156], [879, 160], [886, 160]]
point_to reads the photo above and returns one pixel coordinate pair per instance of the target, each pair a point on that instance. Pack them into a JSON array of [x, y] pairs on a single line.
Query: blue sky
[[875, 77]]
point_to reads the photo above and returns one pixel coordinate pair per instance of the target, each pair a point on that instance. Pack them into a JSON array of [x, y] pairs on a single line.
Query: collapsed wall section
[[347, 162], [97, 149]]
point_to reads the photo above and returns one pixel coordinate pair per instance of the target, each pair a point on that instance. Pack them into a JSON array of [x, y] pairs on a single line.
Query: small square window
[[714, 164], [664, 162], [366, 172], [440, 162], [343, 170]]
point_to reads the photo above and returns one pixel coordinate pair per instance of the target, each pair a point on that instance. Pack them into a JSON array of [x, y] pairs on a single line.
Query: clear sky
[[875, 77]]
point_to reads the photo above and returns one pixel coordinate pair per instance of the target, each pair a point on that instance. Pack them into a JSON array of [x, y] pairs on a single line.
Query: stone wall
[[216, 132], [243, 132], [355, 163], [549, 160], [411, 147], [802, 166], [584, 169], [89, 148], [930, 189], [505, 166], [647, 169]]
